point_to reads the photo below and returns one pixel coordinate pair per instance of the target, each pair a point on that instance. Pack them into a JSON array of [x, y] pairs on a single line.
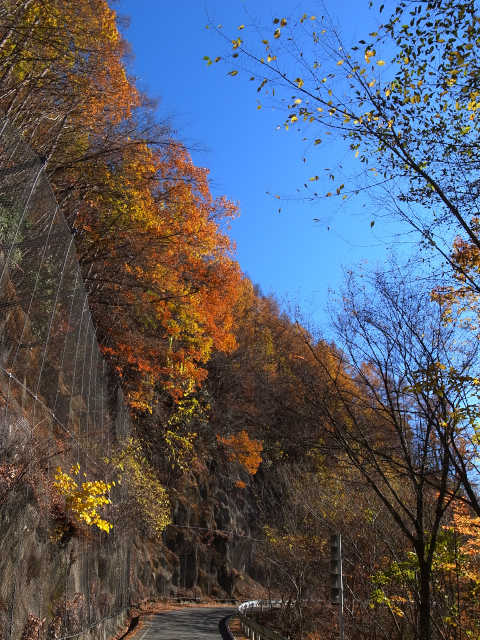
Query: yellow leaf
[[283, 22], [299, 82], [297, 101], [242, 26], [340, 62], [380, 63], [276, 34], [232, 73]]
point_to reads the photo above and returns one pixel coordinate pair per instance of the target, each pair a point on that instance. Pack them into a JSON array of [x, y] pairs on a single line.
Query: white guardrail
[[252, 629]]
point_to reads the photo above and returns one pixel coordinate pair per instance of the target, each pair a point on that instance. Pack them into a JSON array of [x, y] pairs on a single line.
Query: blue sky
[[286, 253]]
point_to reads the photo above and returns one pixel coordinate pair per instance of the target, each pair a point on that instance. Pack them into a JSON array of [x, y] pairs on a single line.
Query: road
[[202, 623]]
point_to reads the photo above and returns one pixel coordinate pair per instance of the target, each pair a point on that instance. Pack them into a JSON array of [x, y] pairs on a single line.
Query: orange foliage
[[461, 300], [168, 275], [150, 236], [469, 528], [244, 451]]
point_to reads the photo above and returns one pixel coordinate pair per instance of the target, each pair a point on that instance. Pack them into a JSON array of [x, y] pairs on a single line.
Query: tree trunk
[[424, 623]]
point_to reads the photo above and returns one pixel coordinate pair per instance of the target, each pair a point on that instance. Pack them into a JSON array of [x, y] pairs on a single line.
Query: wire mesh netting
[[58, 408]]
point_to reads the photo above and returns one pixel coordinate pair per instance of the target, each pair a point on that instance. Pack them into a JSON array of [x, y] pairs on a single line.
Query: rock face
[[59, 407], [53, 584], [213, 536]]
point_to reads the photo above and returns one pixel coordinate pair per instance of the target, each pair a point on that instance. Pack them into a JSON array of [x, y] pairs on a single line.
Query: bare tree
[[396, 404]]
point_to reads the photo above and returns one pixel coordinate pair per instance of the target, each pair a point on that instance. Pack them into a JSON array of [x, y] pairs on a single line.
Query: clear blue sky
[[286, 252]]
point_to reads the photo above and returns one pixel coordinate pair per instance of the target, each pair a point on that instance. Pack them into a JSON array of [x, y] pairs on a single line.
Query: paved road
[[202, 623]]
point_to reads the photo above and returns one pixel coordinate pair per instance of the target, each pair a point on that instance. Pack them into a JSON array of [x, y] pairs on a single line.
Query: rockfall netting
[[58, 408]]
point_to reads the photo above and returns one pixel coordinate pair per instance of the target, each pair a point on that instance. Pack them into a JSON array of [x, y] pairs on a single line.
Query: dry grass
[[236, 629]]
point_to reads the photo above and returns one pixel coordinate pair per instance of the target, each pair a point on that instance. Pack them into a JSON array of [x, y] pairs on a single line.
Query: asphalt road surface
[[202, 623]]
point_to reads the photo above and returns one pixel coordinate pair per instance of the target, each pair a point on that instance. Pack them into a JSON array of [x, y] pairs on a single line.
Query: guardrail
[[252, 629]]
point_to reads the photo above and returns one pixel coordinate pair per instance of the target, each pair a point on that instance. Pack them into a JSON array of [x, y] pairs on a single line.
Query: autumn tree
[[150, 237], [404, 101], [303, 503], [252, 389], [400, 401], [388, 412], [164, 266]]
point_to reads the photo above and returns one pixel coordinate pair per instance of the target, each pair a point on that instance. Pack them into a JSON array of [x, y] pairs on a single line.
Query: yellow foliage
[[179, 434], [147, 493], [85, 501]]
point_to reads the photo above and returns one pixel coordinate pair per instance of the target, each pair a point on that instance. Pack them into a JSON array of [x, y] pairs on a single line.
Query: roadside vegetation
[[369, 428]]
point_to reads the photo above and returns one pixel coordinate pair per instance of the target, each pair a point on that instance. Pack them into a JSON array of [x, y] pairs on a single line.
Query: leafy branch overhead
[[405, 101]]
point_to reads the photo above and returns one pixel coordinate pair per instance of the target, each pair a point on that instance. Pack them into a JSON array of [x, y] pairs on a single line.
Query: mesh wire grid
[[58, 407]]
